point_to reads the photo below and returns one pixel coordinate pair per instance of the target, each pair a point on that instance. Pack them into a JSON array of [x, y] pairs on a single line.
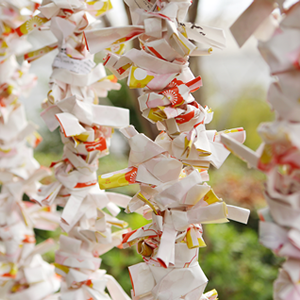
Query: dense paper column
[[86, 129], [172, 170], [278, 155], [23, 273]]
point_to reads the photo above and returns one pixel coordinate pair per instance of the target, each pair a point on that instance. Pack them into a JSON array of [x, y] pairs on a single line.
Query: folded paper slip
[[250, 20], [70, 113], [150, 279], [61, 9], [100, 39]]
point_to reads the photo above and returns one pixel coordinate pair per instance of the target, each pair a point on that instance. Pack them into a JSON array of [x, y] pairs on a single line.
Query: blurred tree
[[195, 61]]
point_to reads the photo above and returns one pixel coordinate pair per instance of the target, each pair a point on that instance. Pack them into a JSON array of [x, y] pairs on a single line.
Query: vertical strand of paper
[[86, 129], [23, 273], [172, 170], [278, 155]]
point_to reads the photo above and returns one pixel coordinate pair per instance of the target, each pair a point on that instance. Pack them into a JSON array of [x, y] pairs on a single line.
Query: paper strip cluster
[[278, 155], [23, 272], [172, 170], [86, 129]]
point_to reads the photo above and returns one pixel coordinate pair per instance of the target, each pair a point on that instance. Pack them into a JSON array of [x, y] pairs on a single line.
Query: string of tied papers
[[278, 155], [86, 129], [23, 272], [172, 170]]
